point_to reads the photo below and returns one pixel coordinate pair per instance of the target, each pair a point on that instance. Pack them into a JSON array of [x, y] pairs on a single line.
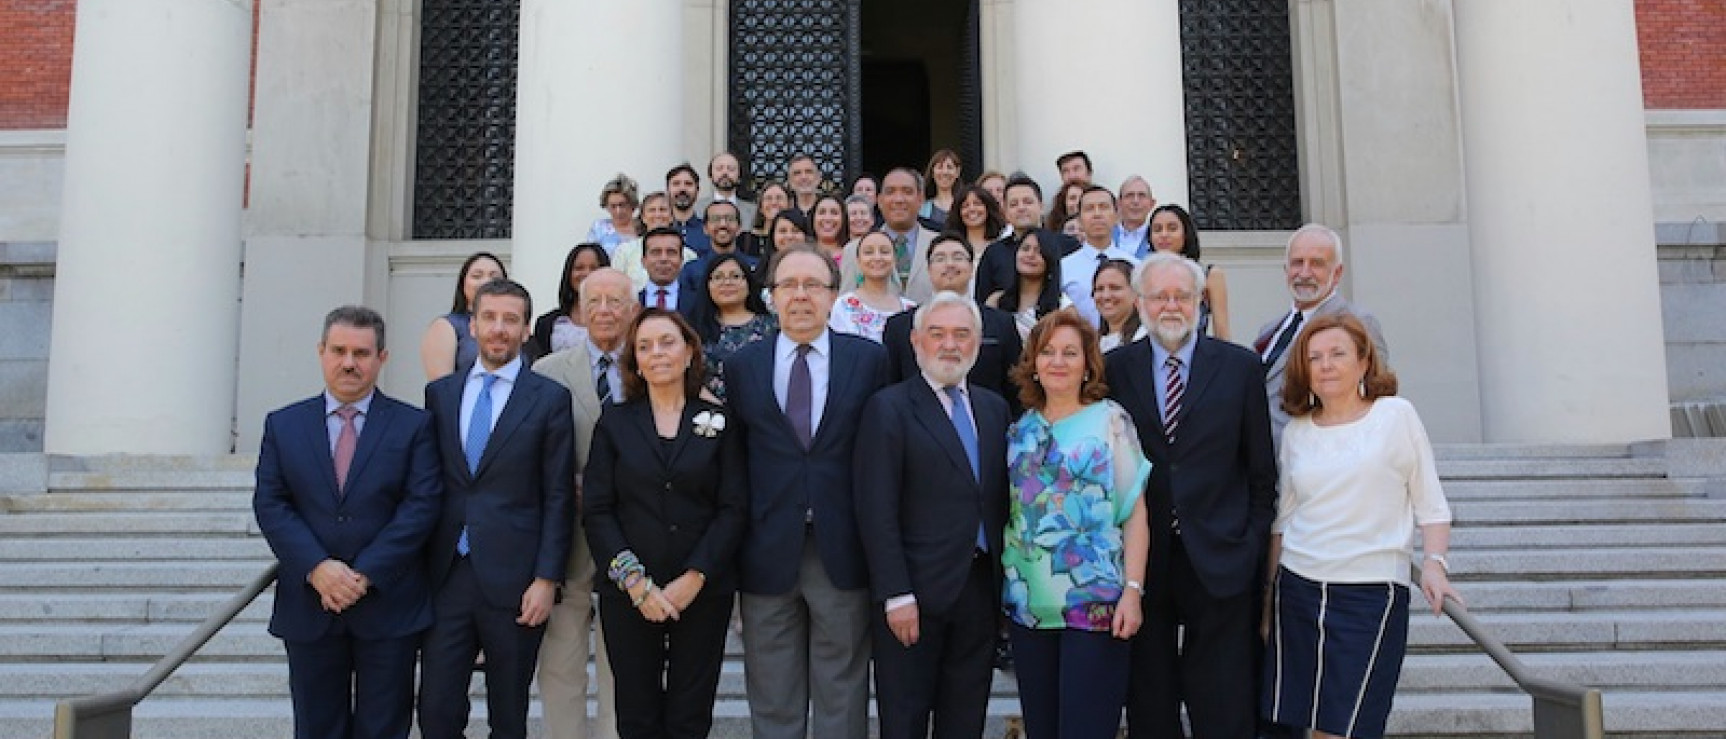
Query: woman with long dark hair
[[1172, 230], [448, 343], [1037, 262], [728, 314], [560, 328]]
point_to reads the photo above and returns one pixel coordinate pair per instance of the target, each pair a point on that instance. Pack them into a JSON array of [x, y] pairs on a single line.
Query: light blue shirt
[[1135, 239], [333, 422], [1077, 271], [1159, 355], [819, 359], [500, 390]]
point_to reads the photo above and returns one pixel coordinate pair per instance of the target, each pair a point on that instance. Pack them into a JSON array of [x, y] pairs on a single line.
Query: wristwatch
[[1442, 562], [1136, 585]]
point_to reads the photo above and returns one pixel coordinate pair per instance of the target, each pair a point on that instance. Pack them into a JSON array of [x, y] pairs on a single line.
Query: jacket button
[[668, 487], [674, 528]]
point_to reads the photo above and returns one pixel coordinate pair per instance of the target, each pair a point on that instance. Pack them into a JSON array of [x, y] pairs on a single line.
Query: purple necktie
[[799, 398]]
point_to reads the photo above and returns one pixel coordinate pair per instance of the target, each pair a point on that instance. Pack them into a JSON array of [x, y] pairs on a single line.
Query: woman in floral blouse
[[728, 315], [865, 310], [1077, 538]]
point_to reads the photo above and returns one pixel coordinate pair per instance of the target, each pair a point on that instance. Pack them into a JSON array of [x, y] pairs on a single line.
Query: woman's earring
[[1035, 378], [1362, 387], [1312, 400]]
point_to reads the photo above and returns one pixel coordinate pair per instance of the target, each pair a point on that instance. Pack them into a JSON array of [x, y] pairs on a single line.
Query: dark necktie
[[659, 302], [902, 257], [1173, 391], [1283, 339], [347, 440], [602, 379], [799, 398]]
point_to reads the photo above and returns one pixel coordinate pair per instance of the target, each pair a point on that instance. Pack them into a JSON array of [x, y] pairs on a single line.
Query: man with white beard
[[931, 491], [1313, 268], [1200, 410]]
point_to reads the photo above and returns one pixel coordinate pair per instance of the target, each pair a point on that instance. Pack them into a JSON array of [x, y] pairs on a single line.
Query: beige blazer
[[917, 287], [573, 369]]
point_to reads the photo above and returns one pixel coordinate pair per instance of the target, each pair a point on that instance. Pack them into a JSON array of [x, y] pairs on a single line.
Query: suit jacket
[[1221, 472], [519, 506], [573, 369], [1274, 374], [378, 526], [917, 286], [999, 351], [918, 504], [786, 480], [678, 509]]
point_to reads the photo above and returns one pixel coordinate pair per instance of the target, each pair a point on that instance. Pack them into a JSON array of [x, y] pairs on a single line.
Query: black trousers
[[947, 673], [465, 624], [346, 686], [666, 674], [1194, 649]]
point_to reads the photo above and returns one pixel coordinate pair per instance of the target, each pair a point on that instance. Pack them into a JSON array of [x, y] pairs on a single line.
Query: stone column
[[1561, 222], [146, 321], [599, 91], [1103, 76]]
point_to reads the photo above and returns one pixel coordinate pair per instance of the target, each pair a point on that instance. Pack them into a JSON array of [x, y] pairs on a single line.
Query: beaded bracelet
[[625, 570]]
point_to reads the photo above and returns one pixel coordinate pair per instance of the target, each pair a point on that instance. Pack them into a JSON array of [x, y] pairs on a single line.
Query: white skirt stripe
[[1277, 623], [1318, 676], [1377, 644]]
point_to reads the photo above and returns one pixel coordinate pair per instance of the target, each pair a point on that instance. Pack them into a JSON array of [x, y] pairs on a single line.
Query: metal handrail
[[1562, 709], [109, 715]]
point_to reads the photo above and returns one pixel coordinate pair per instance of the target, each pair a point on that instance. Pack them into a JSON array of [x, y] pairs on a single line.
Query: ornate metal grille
[[796, 87], [464, 166], [1238, 70]]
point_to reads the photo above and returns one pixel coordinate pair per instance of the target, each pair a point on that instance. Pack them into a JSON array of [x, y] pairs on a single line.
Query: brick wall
[[36, 57], [1683, 46]]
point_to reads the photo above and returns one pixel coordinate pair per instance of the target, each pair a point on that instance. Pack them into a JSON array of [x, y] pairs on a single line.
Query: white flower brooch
[[709, 423]]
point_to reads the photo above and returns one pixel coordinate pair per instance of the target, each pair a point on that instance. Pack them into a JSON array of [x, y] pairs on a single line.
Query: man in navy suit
[[347, 492], [1200, 409], [797, 398], [506, 438], [931, 468]]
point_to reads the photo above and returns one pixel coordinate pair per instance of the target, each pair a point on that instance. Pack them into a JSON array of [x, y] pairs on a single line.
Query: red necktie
[[346, 441], [659, 302]]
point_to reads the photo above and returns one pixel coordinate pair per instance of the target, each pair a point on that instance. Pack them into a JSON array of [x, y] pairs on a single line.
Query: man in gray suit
[[901, 197], [1313, 268], [589, 370], [725, 172]]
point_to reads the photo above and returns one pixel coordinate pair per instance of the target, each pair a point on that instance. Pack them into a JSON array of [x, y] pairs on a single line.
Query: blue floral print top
[[1074, 483]]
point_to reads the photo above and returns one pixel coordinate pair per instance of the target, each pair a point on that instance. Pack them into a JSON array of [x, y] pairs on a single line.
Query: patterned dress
[[732, 338], [1073, 486], [853, 316]]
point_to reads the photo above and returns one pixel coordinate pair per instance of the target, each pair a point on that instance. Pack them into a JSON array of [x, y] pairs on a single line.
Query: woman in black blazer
[[665, 501]]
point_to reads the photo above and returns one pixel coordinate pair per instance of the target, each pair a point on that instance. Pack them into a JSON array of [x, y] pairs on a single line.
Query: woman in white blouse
[[864, 310], [1357, 475]]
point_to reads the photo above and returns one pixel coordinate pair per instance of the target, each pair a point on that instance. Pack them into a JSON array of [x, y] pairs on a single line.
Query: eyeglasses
[[725, 279], [1171, 298], [723, 219], [953, 258], [811, 287]]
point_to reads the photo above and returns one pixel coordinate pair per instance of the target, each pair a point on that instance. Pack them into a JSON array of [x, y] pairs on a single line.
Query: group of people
[[875, 451]]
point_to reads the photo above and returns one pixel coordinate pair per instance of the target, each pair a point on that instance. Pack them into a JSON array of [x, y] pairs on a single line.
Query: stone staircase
[[1604, 565]]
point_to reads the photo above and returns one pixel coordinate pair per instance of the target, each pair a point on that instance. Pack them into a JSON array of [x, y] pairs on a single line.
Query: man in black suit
[[502, 543], [662, 257], [997, 267], [347, 492], [932, 502], [797, 398], [1202, 419], [950, 271]]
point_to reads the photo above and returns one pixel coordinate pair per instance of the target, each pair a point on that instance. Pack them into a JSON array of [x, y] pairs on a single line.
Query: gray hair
[[604, 273], [1321, 230], [1166, 260], [355, 316], [943, 299]]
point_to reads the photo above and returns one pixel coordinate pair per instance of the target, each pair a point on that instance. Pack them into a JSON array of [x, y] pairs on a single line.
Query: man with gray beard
[[1202, 419], [931, 493]]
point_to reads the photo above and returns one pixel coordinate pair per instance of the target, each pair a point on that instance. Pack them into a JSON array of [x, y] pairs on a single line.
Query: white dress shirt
[[1079, 268]]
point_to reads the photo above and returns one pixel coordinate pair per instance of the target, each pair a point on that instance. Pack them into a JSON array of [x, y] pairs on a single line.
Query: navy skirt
[[1334, 655]]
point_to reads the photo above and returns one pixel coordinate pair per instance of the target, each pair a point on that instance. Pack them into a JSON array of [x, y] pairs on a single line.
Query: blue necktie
[[478, 433], [968, 439]]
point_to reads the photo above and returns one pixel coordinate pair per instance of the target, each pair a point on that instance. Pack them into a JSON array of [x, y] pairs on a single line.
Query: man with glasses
[[797, 397], [1133, 233], [1200, 410], [950, 267], [724, 222]]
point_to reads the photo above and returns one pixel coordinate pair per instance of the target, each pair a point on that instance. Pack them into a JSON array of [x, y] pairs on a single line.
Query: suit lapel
[[1199, 376], [318, 436], [515, 410], [929, 412], [840, 376], [580, 363], [763, 381], [680, 438], [449, 422], [1141, 389]]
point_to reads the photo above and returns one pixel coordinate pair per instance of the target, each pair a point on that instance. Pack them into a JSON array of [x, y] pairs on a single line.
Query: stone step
[[1639, 488], [1669, 713], [167, 463], [1590, 594], [1590, 562], [1605, 670], [1520, 513], [131, 549], [135, 607], [1627, 630], [129, 500], [1445, 452], [1543, 467], [1466, 539], [146, 576], [144, 480], [193, 523]]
